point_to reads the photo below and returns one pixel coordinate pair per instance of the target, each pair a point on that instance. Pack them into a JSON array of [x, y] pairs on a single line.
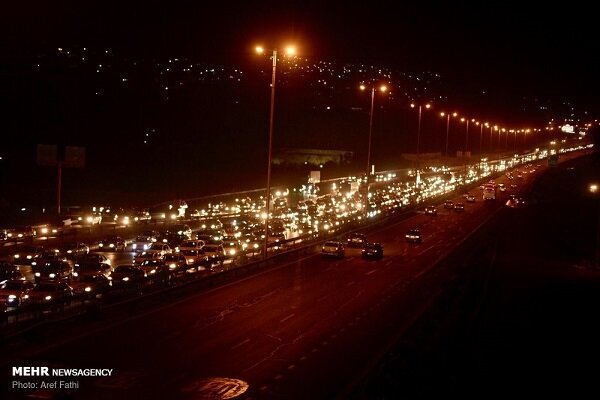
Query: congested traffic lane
[[302, 329]]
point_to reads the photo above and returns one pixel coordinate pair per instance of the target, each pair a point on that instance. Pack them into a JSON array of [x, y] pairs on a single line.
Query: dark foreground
[[529, 326]]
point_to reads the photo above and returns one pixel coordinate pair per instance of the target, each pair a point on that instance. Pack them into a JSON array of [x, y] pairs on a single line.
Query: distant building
[[312, 156]]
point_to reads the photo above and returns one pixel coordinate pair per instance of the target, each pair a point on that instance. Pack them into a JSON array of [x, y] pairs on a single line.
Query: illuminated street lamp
[[427, 106], [289, 51], [382, 89]]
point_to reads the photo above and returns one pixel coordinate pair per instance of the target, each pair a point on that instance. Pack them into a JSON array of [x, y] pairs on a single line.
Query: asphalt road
[[528, 327], [309, 328]]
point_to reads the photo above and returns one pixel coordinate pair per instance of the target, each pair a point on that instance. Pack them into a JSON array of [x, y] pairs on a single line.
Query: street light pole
[[466, 138], [447, 133], [271, 116], [290, 51], [480, 139], [382, 88], [419, 131], [370, 131]]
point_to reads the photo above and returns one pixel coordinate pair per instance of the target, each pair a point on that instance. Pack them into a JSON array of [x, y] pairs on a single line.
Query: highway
[[307, 328]]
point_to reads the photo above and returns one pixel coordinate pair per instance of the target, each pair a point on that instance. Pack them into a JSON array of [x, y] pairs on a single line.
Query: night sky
[[552, 48], [505, 48]]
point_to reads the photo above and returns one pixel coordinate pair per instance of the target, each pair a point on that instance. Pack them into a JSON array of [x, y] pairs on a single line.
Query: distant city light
[[593, 188]]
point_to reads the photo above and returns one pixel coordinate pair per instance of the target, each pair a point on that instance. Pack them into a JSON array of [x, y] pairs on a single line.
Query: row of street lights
[[290, 51]]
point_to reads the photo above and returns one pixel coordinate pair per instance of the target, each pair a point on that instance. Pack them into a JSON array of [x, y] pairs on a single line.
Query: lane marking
[[286, 318]]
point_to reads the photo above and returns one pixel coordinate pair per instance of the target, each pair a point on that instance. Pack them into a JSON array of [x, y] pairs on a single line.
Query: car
[[15, 292], [141, 257], [470, 198], [144, 241], [193, 257], [176, 264], [414, 236], [449, 204], [9, 271], [73, 250], [53, 270], [459, 207], [372, 250], [26, 254], [214, 252], [91, 285], [232, 246], [333, 248], [181, 230], [431, 210], [92, 268], [50, 293], [155, 269], [128, 275], [192, 244], [356, 239], [112, 243], [93, 258], [159, 248], [516, 202]]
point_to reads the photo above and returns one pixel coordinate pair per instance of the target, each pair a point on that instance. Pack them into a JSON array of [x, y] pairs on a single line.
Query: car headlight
[[88, 289], [12, 298], [126, 279], [52, 276], [47, 298], [172, 266], [76, 274], [37, 274], [17, 256]]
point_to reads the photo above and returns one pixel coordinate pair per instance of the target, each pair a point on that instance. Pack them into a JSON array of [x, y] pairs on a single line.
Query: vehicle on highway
[[516, 202], [141, 257], [181, 229], [414, 236], [53, 270], [372, 250], [50, 293], [112, 243], [144, 240], [93, 258], [92, 268], [9, 271], [26, 254], [177, 265], [193, 257], [192, 244], [333, 248], [15, 292], [489, 192], [232, 246], [91, 285], [470, 198], [431, 210], [449, 204], [356, 239], [128, 276], [159, 248], [215, 253], [211, 223], [459, 207], [73, 250], [155, 269]]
